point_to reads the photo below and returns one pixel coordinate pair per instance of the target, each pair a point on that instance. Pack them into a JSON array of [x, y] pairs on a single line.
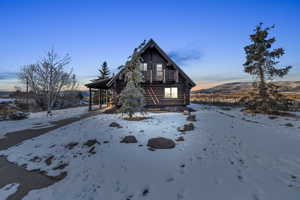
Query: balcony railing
[[166, 76]]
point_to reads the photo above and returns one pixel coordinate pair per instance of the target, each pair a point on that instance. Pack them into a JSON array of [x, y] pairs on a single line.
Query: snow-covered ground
[[9, 189], [6, 100], [40, 119], [229, 155]]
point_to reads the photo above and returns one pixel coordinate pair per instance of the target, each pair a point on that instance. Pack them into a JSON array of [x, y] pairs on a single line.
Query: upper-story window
[[143, 67], [159, 71]]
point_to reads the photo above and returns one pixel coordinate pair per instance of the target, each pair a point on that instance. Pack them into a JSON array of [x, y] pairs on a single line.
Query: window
[[171, 92], [159, 72], [143, 67]]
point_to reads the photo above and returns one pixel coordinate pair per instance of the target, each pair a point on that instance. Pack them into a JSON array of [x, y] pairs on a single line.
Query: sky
[[206, 38]]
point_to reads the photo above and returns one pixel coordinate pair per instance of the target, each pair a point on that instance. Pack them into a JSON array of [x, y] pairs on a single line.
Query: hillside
[[242, 87]]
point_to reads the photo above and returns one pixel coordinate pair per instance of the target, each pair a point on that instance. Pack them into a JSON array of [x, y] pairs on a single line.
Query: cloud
[[184, 56], [7, 75]]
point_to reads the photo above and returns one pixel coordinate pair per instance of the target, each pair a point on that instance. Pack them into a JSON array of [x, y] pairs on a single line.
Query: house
[[165, 84]]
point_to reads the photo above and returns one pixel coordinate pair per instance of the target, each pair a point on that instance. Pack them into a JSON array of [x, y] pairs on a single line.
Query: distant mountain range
[[242, 87]]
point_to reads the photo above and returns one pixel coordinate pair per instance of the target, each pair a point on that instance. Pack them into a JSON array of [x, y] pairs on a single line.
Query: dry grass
[[136, 118]]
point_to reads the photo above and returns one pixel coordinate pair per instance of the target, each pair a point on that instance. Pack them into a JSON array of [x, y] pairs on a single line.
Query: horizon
[[205, 39]]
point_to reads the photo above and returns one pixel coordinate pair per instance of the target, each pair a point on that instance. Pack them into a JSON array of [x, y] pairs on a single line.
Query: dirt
[[30, 180], [16, 137]]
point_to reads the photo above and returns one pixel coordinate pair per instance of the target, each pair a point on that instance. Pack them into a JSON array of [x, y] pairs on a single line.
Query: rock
[[189, 127], [186, 127], [161, 143], [186, 112], [191, 118], [71, 145], [129, 139], [115, 124], [105, 142], [180, 129], [90, 143], [61, 166], [48, 161], [35, 159], [151, 149], [179, 139]]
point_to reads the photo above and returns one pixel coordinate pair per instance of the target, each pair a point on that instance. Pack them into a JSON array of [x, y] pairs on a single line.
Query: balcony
[[166, 76]]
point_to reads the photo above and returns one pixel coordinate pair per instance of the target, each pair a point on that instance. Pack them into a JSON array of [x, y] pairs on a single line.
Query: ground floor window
[[171, 92]]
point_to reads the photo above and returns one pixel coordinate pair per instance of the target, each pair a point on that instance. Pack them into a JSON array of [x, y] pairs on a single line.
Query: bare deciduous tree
[[47, 79]]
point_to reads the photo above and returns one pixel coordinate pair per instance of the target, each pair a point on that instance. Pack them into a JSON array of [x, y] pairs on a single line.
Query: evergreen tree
[[261, 62], [132, 96], [104, 71]]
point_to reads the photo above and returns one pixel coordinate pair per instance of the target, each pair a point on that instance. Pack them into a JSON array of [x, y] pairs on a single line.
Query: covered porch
[[100, 94]]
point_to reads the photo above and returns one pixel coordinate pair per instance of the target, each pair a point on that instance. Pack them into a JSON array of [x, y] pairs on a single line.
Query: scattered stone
[[170, 179], [48, 161], [71, 145], [142, 131], [145, 192], [36, 159], [129, 139], [105, 142], [115, 124], [182, 166], [293, 177], [180, 129], [161, 143], [140, 145], [61, 166], [186, 112], [90, 143], [179, 139], [151, 149], [186, 127], [191, 118]]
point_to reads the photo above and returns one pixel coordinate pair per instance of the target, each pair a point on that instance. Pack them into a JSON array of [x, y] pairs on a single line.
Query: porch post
[[106, 99], [99, 98], [90, 100]]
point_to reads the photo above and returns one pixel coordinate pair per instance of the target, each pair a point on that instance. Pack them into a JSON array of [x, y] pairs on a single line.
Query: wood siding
[[155, 88]]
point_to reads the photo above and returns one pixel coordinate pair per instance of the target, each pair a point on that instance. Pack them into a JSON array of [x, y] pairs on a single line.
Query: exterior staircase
[[151, 97]]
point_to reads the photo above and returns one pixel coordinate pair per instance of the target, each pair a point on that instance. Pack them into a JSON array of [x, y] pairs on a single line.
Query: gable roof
[[152, 44]]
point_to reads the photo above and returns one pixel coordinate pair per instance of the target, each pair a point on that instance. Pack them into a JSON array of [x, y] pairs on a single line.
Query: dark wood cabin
[[165, 84]]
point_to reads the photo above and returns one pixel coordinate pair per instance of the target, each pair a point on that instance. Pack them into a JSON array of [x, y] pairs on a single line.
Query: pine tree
[[104, 71], [261, 62], [132, 96]]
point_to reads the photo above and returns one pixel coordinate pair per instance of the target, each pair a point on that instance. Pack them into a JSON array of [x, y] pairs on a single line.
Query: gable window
[[143, 67], [159, 72], [171, 92]]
